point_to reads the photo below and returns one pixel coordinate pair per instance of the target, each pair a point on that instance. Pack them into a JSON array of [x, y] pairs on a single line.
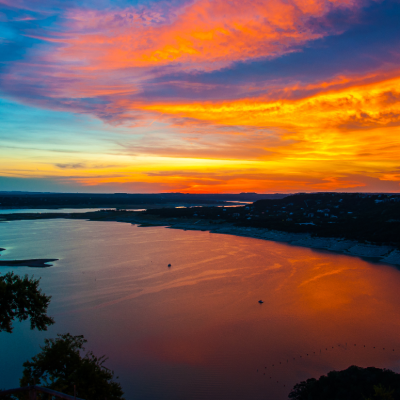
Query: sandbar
[[34, 263]]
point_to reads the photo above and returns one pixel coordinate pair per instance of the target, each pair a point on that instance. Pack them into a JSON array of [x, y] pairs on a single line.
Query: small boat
[[260, 301], [169, 265]]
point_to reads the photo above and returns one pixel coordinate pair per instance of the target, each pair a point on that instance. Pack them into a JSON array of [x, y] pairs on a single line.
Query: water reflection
[[46, 210], [196, 330]]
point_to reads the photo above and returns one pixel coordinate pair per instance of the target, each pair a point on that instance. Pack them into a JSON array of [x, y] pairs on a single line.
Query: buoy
[[260, 301], [169, 265]]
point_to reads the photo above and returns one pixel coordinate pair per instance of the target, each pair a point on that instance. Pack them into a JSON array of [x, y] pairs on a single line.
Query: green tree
[[61, 364], [21, 298]]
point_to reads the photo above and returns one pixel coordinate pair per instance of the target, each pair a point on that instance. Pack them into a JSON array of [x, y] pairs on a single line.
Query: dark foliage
[[20, 298], [60, 365], [368, 218], [8, 396], [354, 383]]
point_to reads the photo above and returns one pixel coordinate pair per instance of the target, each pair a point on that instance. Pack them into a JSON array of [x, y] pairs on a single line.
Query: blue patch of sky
[[25, 126], [9, 184], [6, 33], [16, 33], [59, 6]]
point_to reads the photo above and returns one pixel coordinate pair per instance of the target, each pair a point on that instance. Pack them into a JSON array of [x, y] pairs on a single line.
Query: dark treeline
[[119, 200], [354, 383], [369, 218]]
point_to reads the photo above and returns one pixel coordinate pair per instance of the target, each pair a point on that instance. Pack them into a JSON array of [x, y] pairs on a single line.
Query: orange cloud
[[356, 121], [202, 35]]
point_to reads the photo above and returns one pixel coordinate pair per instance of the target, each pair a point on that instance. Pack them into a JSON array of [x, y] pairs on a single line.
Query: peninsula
[[33, 263]]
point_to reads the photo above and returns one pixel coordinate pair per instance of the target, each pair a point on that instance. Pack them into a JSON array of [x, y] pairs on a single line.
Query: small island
[[33, 263]]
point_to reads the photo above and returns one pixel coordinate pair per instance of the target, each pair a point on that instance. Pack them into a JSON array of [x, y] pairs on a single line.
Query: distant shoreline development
[[319, 221]]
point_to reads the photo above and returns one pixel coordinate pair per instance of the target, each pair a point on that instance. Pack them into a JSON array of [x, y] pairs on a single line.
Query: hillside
[[367, 218]]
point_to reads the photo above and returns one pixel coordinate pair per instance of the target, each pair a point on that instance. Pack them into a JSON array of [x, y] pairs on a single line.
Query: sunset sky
[[200, 96]]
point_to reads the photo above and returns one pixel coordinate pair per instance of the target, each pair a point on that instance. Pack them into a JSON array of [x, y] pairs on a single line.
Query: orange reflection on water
[[196, 330], [200, 320]]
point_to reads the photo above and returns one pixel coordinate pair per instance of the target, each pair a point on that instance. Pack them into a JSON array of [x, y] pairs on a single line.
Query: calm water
[[58, 210], [196, 330], [46, 210]]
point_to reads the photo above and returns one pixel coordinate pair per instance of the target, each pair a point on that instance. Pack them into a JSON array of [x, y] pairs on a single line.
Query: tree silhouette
[[354, 383], [20, 298], [60, 365]]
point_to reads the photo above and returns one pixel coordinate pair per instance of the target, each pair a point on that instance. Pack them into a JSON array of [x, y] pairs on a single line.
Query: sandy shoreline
[[377, 253]]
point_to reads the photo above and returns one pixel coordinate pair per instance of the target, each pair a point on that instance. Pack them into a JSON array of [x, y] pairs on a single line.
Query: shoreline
[[369, 252]]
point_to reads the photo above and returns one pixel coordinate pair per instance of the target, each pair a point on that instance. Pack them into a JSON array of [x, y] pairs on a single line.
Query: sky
[[200, 96]]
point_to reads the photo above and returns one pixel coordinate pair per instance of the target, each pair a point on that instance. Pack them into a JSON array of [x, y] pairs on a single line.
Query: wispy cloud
[[82, 165]]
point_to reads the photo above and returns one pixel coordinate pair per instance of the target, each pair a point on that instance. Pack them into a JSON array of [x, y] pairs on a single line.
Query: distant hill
[[124, 200]]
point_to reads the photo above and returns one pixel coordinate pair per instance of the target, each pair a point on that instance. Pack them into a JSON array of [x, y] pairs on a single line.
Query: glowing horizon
[[200, 96]]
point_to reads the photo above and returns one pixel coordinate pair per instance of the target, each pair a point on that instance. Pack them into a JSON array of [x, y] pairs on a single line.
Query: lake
[[58, 210], [196, 330]]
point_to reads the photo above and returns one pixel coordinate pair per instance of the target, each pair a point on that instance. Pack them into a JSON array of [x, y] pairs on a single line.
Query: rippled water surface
[[196, 330]]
